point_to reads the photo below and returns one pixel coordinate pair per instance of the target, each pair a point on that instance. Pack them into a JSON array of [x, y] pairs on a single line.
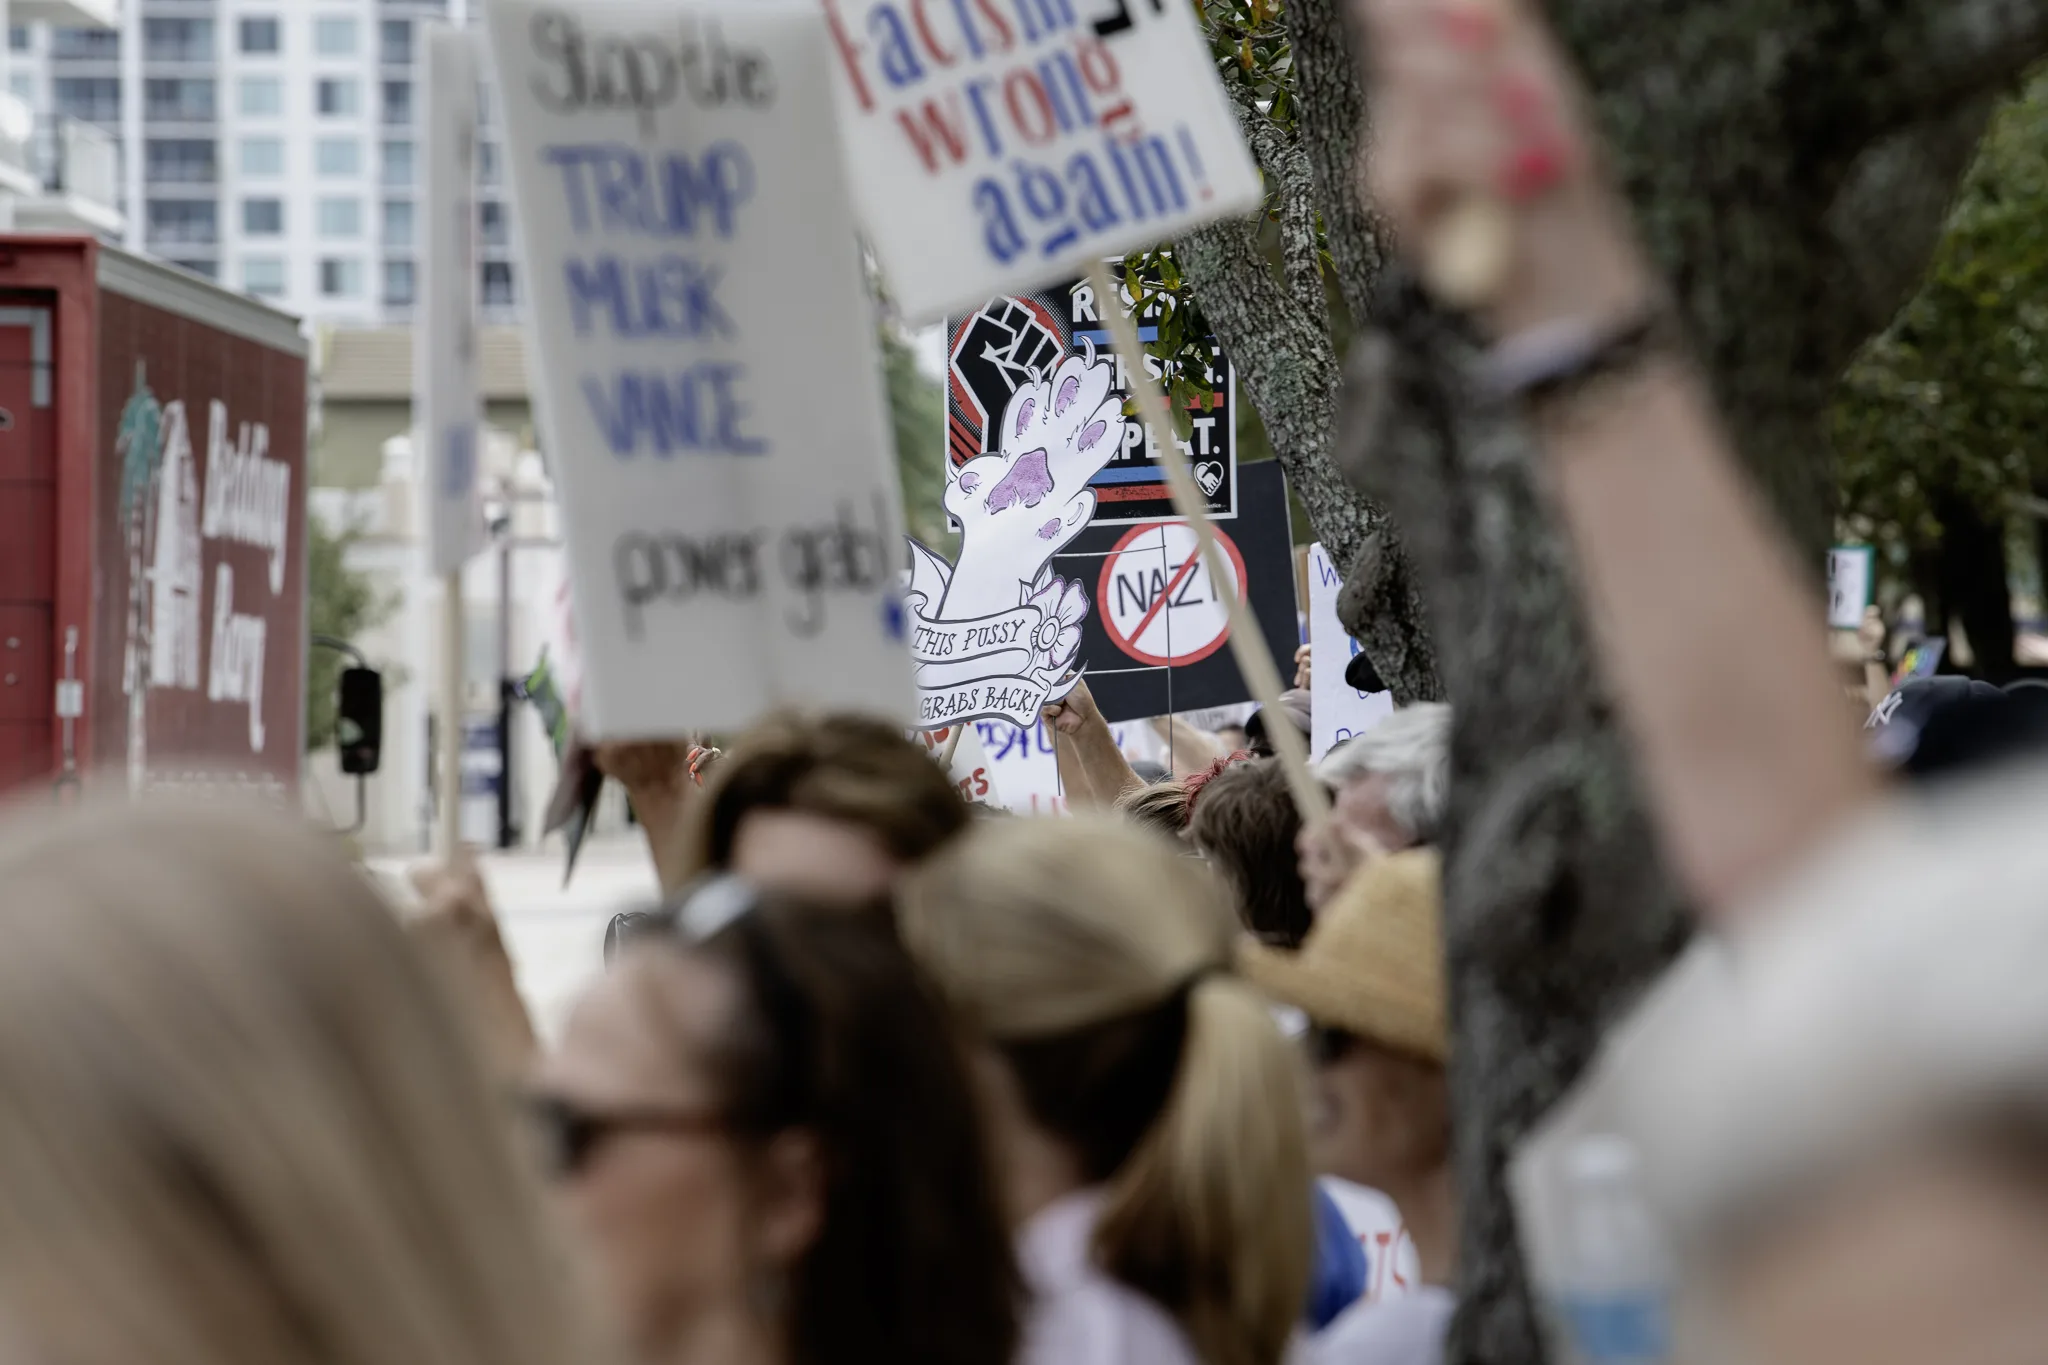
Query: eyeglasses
[[699, 914], [570, 1134]]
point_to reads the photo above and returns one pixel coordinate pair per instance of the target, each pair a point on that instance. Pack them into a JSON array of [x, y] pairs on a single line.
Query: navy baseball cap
[[1933, 726]]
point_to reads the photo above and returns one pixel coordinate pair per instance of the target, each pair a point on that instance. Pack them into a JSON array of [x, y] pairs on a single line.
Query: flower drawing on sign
[[995, 635], [1058, 636]]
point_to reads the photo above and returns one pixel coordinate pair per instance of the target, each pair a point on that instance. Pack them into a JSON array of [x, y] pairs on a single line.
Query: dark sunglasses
[[696, 915], [1327, 1045], [569, 1134]]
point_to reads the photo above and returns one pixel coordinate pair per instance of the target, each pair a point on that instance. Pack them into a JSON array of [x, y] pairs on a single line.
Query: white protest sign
[[997, 145], [447, 390], [969, 768], [1025, 766], [995, 633], [1337, 710], [1849, 585], [708, 388]]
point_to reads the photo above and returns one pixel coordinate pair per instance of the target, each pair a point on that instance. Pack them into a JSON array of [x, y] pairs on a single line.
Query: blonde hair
[[238, 1121], [1042, 930]]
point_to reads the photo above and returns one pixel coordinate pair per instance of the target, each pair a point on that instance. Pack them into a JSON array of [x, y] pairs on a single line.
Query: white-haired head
[[1411, 752]]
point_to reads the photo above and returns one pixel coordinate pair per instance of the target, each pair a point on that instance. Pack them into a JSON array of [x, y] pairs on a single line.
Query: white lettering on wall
[[248, 497], [236, 670], [174, 569]]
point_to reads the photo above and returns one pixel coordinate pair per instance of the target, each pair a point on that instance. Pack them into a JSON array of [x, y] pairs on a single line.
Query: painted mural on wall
[[174, 508]]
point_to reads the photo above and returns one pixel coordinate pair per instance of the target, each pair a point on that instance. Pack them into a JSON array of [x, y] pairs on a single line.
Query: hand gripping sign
[[995, 634], [996, 145]]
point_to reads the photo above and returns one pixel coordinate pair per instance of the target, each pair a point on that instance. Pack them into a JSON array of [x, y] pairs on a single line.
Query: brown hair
[[1157, 805], [840, 1035], [845, 767], [1096, 960], [1247, 824], [238, 1120]]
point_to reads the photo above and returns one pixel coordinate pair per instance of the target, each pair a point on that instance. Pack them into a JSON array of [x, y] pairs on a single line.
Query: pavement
[[554, 933]]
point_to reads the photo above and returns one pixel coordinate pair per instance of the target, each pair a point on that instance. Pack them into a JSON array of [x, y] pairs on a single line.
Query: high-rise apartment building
[[271, 144]]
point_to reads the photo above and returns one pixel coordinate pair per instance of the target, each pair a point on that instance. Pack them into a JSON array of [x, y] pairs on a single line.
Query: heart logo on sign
[[1209, 474]]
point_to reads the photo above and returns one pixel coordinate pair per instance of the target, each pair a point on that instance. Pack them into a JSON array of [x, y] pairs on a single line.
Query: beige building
[[364, 376]]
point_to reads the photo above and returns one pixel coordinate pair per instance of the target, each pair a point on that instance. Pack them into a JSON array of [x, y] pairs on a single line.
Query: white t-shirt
[[1408, 1330], [1392, 1268]]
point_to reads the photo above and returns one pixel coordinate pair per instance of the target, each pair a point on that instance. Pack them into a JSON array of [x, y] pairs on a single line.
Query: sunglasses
[[569, 1134], [698, 914], [1327, 1045]]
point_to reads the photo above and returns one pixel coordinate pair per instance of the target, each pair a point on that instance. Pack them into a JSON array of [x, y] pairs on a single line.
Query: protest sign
[[1156, 640], [1851, 581], [994, 633], [994, 351], [969, 765], [447, 390], [997, 147], [707, 383], [1337, 710]]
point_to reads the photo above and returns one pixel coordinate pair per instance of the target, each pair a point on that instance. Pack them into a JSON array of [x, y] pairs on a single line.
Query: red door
[[28, 544]]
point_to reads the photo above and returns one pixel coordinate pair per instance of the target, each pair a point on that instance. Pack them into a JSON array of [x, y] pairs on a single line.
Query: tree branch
[[1287, 170], [1330, 113], [1929, 56]]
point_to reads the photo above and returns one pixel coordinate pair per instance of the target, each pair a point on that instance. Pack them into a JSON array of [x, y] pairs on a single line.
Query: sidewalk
[[555, 934]]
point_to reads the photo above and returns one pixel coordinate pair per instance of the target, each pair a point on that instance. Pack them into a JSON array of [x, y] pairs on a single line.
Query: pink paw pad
[[1049, 530]]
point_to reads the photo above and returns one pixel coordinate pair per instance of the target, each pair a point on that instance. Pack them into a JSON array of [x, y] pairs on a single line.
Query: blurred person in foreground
[[1370, 978], [1146, 1108], [1245, 822], [833, 807], [238, 1120], [1390, 787], [766, 1132], [1847, 1135]]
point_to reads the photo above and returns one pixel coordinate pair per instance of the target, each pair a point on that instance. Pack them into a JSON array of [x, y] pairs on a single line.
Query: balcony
[[78, 172], [18, 178], [100, 14]]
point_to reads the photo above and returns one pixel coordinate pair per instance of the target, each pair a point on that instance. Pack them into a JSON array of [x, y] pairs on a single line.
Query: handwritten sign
[[447, 398], [997, 145], [995, 350], [969, 768], [708, 387], [1337, 710]]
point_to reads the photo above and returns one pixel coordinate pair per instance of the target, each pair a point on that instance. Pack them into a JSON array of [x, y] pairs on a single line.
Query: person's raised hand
[[1482, 158], [1302, 660], [646, 766], [1076, 710], [456, 926]]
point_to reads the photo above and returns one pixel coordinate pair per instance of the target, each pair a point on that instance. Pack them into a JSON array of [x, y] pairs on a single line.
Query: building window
[[335, 35], [338, 98], [262, 157], [338, 156], [498, 284], [263, 217], [398, 222], [86, 44], [341, 218], [178, 100], [263, 276], [262, 96], [341, 278], [490, 221], [398, 164], [183, 222], [17, 38], [23, 84], [398, 283], [262, 36], [398, 104], [394, 42], [96, 99], [191, 161], [177, 40], [487, 171]]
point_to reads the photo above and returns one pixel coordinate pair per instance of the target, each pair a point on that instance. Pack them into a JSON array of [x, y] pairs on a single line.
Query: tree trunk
[[1970, 574]]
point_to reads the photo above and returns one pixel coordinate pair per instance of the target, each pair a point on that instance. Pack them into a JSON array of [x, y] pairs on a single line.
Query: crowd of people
[[887, 1077]]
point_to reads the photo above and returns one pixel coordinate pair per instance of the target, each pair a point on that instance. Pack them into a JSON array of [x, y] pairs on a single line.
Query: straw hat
[[1374, 962]]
